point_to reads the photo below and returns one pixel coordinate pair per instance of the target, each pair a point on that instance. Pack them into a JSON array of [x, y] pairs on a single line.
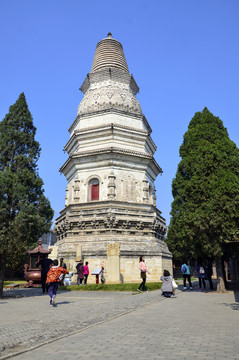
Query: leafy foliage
[[25, 213], [205, 209]]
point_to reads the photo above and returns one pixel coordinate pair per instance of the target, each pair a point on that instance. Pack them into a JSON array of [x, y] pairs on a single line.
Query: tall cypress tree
[[25, 211], [205, 209]]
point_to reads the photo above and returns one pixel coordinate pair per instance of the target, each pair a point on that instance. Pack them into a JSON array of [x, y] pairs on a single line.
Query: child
[[53, 280]]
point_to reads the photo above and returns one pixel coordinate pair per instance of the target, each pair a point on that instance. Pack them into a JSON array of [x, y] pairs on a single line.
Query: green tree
[[205, 209], [25, 211]]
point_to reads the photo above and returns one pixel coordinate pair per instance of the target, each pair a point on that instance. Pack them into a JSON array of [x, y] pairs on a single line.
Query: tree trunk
[[221, 286], [2, 267]]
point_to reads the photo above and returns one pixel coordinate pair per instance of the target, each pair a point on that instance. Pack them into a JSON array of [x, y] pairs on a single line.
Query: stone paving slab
[[29, 320], [193, 325]]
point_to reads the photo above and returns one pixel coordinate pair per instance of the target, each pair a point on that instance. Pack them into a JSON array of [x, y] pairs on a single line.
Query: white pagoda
[[111, 170]]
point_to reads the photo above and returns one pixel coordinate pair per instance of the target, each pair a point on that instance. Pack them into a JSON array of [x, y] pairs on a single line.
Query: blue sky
[[183, 54]]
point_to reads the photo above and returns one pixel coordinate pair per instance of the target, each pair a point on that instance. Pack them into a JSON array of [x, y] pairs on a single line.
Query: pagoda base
[[85, 230]]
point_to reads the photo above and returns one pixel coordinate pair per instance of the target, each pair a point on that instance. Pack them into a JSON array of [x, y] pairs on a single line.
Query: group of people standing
[[202, 268], [82, 272], [204, 272]]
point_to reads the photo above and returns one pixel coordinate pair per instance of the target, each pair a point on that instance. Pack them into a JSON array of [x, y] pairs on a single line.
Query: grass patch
[[14, 282], [111, 287]]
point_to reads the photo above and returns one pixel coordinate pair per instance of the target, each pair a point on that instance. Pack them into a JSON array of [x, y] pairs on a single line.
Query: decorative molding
[[145, 190], [111, 186], [95, 129], [111, 125], [111, 222], [109, 90], [111, 150]]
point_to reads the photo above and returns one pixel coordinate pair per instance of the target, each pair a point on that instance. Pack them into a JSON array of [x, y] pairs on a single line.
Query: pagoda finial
[[109, 35]]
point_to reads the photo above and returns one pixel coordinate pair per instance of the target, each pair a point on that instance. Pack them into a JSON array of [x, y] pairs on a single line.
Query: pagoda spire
[[109, 54]]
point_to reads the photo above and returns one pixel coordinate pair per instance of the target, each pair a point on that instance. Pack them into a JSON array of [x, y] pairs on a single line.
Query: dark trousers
[[167, 293], [79, 280], [202, 281], [187, 277], [85, 278], [52, 288], [43, 282], [142, 285]]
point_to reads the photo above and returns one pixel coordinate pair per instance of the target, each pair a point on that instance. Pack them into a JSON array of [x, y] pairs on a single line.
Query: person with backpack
[[201, 272], [186, 270]]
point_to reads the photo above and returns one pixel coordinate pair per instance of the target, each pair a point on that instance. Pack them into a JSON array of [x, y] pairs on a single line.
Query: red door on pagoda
[[94, 190]]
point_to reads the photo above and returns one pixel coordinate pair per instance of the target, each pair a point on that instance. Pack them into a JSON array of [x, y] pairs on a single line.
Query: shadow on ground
[[62, 303], [234, 286], [22, 292], [233, 306]]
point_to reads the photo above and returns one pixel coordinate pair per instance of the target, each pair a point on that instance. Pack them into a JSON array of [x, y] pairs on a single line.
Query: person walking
[[80, 271], [53, 280], [44, 263], [143, 273], [201, 273], [86, 272], [167, 286], [186, 270]]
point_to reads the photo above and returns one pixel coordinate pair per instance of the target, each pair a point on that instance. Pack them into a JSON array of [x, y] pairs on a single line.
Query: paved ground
[[108, 325]]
